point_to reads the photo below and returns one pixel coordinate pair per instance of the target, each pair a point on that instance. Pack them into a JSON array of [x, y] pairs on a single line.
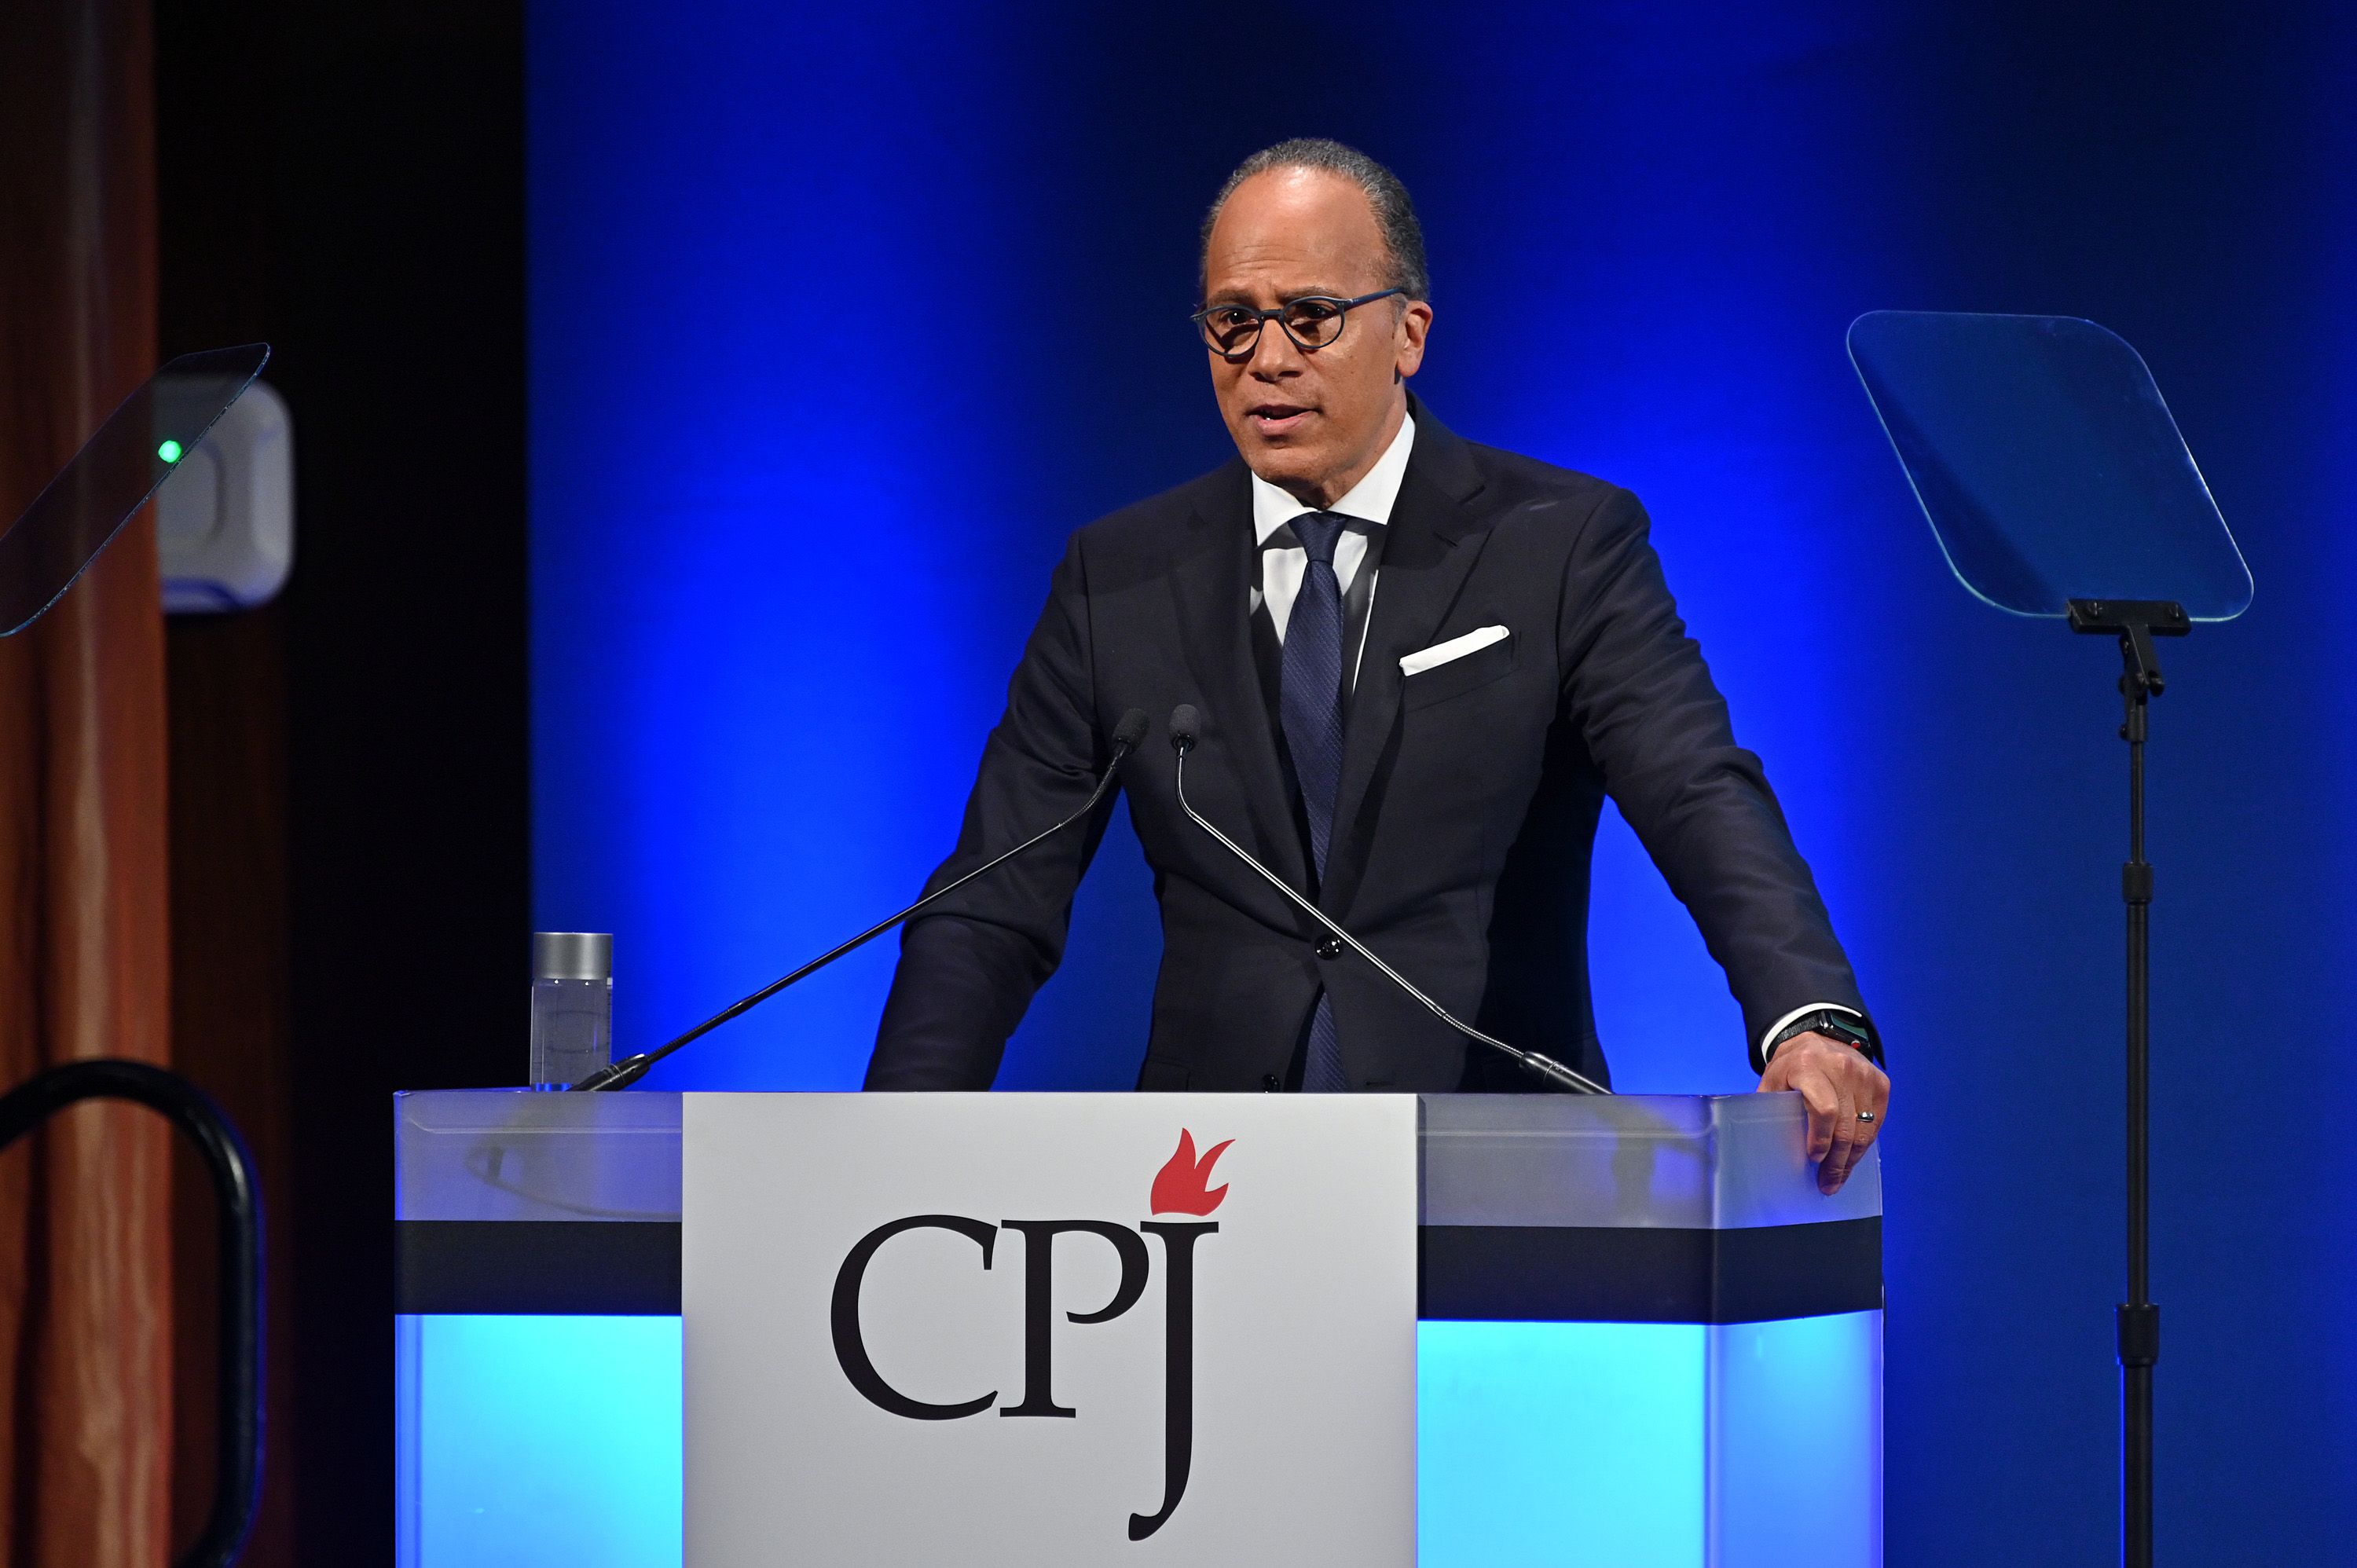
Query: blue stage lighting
[[539, 1440], [556, 1440]]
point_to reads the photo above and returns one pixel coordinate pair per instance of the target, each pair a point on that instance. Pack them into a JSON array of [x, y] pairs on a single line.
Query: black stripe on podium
[[1601, 1274], [601, 1267], [1495, 1273]]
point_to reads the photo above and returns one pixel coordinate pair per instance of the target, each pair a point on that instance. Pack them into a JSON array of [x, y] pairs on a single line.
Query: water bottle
[[571, 1006]]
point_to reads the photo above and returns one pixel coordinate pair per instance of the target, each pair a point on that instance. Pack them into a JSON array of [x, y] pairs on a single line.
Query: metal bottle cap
[[572, 955]]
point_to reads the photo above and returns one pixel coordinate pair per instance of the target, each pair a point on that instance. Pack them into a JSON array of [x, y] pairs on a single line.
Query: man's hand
[[1845, 1094]]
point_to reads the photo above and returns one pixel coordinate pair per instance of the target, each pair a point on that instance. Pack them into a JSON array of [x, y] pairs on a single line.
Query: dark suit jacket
[[1465, 818]]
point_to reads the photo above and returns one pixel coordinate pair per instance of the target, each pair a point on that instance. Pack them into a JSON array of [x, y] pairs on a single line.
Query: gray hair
[[1395, 213]]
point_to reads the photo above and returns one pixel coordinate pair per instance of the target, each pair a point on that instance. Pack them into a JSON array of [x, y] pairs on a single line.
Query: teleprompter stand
[[2059, 485], [2137, 622]]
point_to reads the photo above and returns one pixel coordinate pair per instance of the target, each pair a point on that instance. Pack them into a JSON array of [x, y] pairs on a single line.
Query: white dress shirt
[[1283, 562]]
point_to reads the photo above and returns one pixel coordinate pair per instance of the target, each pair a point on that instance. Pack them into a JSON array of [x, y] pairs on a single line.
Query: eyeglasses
[[1313, 321]]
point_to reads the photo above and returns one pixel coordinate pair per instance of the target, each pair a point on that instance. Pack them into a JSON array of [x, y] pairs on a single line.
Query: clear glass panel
[[2048, 464], [141, 444]]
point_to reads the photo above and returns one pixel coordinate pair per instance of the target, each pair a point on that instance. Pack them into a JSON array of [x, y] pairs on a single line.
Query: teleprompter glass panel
[[2048, 464], [140, 447]]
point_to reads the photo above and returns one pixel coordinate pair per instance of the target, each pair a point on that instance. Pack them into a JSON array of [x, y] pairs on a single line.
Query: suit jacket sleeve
[[1637, 686], [970, 965]]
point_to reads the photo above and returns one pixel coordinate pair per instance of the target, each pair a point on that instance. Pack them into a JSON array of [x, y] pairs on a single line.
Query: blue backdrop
[[797, 482]]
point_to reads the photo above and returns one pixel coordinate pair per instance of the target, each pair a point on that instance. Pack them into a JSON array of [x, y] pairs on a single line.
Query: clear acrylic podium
[[1644, 1338]]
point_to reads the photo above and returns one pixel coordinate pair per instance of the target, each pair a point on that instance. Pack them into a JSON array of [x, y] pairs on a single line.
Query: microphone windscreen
[[1131, 730], [1184, 721]]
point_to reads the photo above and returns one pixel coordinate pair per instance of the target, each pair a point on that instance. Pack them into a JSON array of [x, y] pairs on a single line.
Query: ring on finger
[[1865, 1116]]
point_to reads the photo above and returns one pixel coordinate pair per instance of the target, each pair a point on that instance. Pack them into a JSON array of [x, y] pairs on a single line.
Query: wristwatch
[[1845, 1028]]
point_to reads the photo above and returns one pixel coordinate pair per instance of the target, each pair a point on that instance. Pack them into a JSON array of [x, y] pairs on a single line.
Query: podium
[[1643, 1337]]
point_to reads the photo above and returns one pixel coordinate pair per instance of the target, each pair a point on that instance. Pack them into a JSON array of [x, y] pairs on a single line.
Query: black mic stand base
[[618, 1075]]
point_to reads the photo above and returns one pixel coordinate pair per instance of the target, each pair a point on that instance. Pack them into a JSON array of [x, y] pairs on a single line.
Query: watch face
[[1835, 1027], [1859, 1041]]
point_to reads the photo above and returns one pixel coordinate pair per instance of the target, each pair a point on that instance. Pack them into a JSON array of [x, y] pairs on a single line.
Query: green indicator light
[[170, 451]]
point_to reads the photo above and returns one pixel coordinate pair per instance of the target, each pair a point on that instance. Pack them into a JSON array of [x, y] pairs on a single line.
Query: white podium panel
[[1049, 1328]]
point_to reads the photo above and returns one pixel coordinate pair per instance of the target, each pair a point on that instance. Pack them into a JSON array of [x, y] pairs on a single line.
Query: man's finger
[[1841, 1145], [1825, 1108], [1874, 1098]]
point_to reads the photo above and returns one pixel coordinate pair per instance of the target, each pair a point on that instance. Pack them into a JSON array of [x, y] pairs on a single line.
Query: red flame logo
[[1178, 1187]]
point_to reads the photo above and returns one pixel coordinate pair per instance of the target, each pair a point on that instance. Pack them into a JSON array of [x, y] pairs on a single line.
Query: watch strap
[[1845, 1028]]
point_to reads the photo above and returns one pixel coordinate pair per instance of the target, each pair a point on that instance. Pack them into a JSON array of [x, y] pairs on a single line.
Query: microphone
[[622, 1073], [1186, 726]]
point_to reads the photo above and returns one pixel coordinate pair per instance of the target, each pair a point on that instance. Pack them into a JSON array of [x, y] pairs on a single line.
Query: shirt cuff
[[1781, 1025]]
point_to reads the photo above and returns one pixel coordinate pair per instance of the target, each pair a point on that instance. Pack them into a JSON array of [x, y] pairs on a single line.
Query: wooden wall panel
[[85, 1264]]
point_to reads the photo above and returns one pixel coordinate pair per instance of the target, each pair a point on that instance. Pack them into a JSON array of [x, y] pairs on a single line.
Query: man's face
[[1311, 422]]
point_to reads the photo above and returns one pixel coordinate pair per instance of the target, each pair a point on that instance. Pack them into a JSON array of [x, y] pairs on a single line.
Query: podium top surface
[[1628, 1161]]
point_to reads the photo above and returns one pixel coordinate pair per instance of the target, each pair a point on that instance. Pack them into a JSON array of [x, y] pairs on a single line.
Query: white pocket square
[[1455, 647]]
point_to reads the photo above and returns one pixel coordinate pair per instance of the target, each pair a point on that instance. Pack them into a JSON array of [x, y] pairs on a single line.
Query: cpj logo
[[1181, 1187]]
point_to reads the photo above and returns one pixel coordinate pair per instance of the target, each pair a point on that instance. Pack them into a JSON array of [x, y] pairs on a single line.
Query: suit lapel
[[1212, 584], [1430, 546]]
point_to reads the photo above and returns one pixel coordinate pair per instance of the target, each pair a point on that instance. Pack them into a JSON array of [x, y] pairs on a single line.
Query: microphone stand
[[627, 1072], [1182, 741]]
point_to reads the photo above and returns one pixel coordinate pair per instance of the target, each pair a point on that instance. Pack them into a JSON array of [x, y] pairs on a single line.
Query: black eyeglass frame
[[1202, 319]]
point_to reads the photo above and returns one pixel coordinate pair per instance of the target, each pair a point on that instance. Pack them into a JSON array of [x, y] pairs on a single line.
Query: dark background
[[768, 372], [350, 870]]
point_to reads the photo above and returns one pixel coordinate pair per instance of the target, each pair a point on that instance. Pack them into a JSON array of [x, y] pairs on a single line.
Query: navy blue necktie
[[1311, 710]]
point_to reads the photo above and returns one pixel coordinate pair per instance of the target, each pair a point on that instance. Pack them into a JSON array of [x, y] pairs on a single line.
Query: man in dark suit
[[1421, 665]]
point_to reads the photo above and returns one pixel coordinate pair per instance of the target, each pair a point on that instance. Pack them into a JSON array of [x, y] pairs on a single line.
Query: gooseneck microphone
[[622, 1073], [1185, 726]]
